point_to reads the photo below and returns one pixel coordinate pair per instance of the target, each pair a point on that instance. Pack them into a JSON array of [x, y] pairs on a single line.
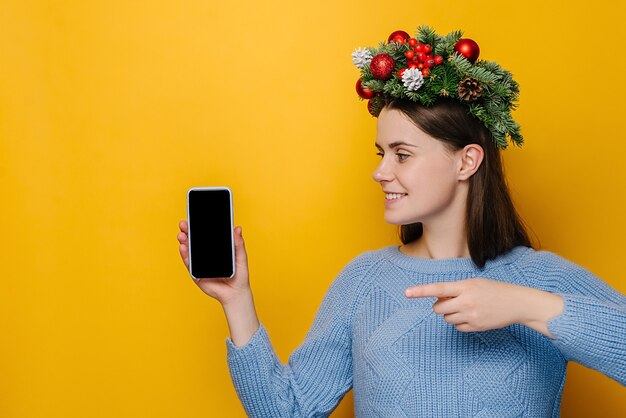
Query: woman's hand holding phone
[[233, 293], [223, 289]]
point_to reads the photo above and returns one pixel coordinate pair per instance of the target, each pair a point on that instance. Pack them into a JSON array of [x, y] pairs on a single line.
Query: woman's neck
[[444, 232], [439, 242]]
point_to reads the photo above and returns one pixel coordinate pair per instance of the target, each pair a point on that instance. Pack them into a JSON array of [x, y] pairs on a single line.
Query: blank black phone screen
[[210, 233]]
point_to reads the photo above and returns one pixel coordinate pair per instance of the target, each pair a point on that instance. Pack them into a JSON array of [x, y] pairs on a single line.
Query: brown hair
[[493, 225]]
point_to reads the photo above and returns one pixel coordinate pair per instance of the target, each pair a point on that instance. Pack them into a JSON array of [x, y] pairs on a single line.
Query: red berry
[[415, 59], [429, 57], [421, 57], [409, 54], [400, 33], [419, 48], [401, 72], [427, 48], [412, 42], [429, 63], [413, 64], [425, 72], [363, 91], [420, 66], [438, 59]]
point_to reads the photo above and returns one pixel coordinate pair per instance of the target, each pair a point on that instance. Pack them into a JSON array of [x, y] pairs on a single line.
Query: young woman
[[464, 318]]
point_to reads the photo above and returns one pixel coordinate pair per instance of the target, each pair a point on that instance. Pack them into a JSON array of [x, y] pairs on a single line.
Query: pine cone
[[469, 89], [361, 58], [412, 79]]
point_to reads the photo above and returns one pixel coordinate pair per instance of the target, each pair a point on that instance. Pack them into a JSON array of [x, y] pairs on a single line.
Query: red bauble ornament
[[398, 39], [401, 33], [370, 108], [382, 66], [438, 59], [468, 48], [363, 91]]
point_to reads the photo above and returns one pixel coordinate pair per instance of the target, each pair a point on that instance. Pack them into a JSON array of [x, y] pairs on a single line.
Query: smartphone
[[211, 241]]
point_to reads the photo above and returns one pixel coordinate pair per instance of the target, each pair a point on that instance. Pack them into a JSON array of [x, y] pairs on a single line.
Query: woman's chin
[[395, 220]]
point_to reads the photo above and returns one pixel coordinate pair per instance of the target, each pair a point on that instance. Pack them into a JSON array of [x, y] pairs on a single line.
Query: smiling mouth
[[394, 196]]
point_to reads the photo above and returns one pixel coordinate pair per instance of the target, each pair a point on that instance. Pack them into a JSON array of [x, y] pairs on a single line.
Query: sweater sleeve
[[319, 371], [591, 330]]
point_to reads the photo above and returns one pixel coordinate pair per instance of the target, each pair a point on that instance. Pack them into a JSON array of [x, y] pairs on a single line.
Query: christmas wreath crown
[[429, 66]]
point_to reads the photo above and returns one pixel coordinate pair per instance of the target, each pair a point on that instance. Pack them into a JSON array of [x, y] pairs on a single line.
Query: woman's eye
[[380, 154], [401, 156]]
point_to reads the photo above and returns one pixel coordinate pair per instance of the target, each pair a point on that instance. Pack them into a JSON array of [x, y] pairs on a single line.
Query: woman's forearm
[[242, 319], [539, 308]]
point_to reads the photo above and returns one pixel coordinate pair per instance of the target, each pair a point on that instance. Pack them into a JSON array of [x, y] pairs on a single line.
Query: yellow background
[[111, 110]]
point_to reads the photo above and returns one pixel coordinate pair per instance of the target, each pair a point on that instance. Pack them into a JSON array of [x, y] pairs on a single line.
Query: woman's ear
[[470, 157]]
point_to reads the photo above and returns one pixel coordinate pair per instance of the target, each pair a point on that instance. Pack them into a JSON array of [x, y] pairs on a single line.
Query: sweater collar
[[446, 265]]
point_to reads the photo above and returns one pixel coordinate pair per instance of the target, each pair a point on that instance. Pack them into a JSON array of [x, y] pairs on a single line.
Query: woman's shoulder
[[549, 271], [545, 261], [362, 269], [365, 261], [355, 277]]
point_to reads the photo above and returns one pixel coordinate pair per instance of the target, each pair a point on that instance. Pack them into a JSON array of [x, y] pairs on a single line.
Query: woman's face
[[420, 177]]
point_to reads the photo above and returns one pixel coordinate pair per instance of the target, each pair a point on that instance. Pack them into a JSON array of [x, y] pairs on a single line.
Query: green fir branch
[[398, 56], [395, 89], [445, 81], [501, 89], [445, 46], [482, 75], [426, 35], [413, 96], [459, 63], [366, 73], [377, 86], [490, 66], [516, 136]]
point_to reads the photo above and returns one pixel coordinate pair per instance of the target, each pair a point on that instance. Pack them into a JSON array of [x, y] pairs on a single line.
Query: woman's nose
[[381, 173]]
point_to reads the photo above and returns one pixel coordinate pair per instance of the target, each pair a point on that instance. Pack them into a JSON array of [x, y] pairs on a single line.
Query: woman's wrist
[[539, 308], [241, 316]]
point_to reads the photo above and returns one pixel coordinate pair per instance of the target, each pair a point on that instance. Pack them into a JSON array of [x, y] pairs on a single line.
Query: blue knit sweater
[[402, 360]]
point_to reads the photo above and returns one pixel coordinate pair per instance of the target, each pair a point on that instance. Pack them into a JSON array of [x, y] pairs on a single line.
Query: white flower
[[361, 57], [412, 79]]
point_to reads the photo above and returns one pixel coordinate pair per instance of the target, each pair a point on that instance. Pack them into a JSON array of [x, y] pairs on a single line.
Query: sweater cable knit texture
[[402, 360]]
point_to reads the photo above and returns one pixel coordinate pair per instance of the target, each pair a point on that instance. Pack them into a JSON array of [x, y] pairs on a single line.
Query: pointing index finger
[[438, 290]]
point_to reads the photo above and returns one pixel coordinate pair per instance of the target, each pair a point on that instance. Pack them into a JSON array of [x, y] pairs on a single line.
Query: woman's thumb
[[240, 247]]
